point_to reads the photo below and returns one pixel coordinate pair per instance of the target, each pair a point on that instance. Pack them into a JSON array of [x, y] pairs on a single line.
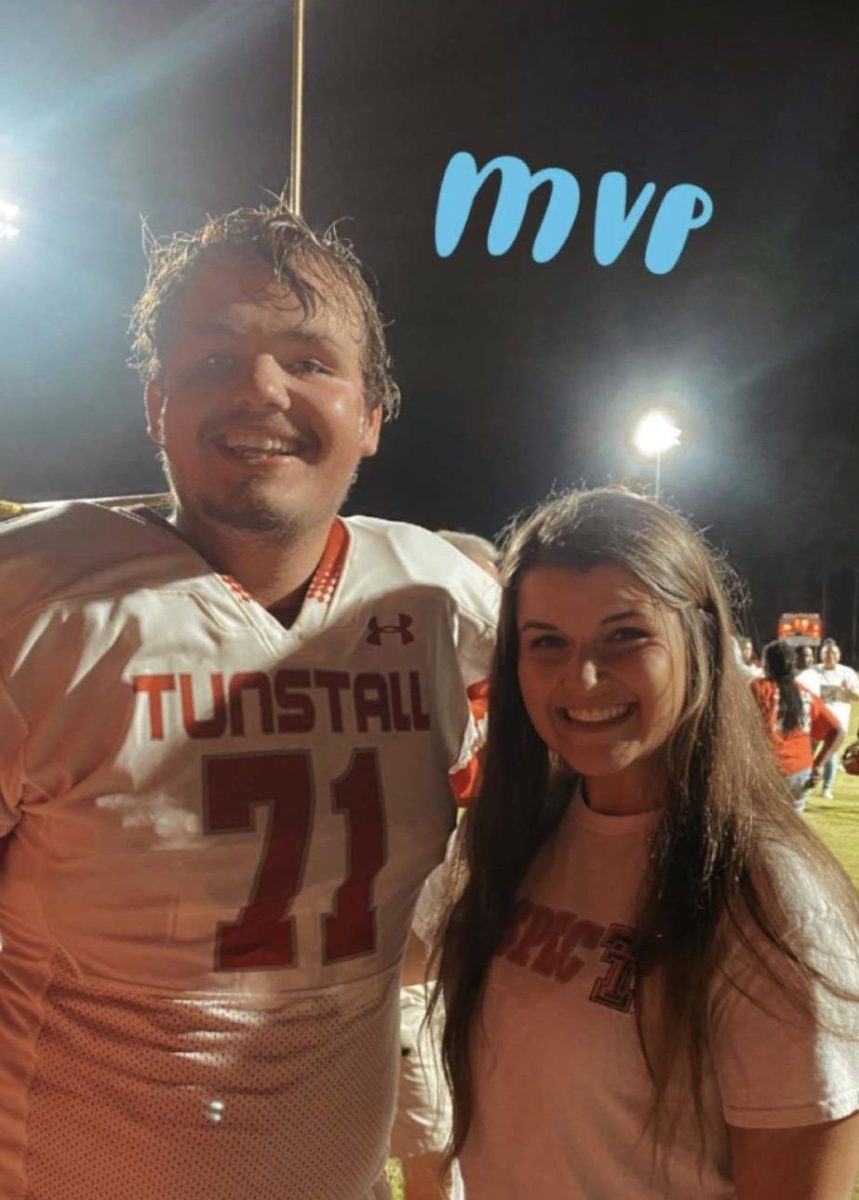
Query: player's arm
[[815, 1162], [13, 735], [414, 962], [827, 748]]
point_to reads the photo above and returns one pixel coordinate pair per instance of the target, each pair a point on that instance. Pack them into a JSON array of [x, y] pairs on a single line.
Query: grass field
[[837, 823]]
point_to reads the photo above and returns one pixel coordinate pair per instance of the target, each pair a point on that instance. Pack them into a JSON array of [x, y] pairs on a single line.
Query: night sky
[[517, 376]]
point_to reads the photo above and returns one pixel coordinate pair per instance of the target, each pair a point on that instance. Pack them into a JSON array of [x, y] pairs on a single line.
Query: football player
[[227, 742]]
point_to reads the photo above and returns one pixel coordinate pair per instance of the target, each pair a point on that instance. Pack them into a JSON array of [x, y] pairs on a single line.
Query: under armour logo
[[374, 637]]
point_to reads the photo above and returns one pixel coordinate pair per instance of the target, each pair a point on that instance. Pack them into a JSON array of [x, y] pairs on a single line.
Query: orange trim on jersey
[[478, 699], [330, 566], [241, 591], [466, 781]]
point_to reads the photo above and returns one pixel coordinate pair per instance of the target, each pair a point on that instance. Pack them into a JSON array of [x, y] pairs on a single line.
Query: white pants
[[423, 1119]]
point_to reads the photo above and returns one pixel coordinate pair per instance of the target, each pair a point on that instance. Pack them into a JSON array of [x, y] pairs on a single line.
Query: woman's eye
[[627, 633], [546, 641]]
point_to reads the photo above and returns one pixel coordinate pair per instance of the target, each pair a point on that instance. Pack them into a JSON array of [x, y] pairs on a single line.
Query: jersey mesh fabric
[[205, 1067]]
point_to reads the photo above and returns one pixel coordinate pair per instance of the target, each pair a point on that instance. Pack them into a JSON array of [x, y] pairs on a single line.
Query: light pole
[[296, 143], [655, 434]]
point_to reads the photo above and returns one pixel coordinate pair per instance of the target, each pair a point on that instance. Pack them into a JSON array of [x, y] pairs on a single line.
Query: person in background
[[650, 966], [479, 549], [795, 718], [739, 648], [747, 653], [806, 669], [839, 685]]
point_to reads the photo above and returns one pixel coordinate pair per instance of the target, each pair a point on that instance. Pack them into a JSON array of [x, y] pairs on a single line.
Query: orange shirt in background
[[794, 750]]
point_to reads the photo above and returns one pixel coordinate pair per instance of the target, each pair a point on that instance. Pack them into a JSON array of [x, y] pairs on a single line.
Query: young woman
[[795, 718], [650, 965]]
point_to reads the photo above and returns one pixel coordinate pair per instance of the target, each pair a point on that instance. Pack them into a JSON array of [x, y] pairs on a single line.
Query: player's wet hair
[[724, 797], [780, 667], [317, 269]]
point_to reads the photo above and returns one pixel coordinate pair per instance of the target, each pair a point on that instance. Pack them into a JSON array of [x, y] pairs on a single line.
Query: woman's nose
[[583, 672]]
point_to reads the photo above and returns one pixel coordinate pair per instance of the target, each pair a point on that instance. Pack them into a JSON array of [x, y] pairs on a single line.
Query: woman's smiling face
[[602, 667]]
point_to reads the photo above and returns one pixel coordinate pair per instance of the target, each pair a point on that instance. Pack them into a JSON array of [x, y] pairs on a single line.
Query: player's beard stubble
[[250, 510]]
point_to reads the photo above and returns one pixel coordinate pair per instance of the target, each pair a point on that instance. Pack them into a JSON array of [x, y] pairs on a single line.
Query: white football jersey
[[219, 830]]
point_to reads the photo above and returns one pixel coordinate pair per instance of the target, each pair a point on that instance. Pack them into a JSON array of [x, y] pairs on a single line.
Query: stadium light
[[654, 435], [9, 214]]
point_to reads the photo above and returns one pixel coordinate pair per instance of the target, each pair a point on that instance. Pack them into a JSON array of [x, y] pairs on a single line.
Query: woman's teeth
[[593, 716]]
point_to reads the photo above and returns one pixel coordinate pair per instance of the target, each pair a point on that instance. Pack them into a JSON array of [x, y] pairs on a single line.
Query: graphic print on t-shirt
[[555, 944]]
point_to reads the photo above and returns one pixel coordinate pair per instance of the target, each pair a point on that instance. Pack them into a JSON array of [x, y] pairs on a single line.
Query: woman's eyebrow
[[624, 616], [536, 625]]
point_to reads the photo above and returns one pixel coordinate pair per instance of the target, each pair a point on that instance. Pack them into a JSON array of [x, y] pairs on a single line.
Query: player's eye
[[306, 366], [214, 366]]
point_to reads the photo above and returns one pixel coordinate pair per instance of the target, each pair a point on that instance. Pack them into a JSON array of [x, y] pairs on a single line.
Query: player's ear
[[153, 399], [372, 427]]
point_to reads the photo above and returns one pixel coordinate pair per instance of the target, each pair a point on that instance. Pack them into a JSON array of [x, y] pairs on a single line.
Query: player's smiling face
[[602, 668], [261, 411]]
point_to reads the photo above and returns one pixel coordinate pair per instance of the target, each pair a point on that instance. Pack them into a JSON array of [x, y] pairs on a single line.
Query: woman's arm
[[827, 748], [825, 729], [814, 1162], [421, 1177], [785, 1047]]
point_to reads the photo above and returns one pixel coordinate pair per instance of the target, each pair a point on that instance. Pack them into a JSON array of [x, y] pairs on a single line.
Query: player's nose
[[265, 384]]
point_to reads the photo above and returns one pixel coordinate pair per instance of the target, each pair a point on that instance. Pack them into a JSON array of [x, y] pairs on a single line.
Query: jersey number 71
[[263, 934]]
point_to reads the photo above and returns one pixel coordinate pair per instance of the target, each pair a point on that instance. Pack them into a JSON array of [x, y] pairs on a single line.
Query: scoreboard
[[800, 629]]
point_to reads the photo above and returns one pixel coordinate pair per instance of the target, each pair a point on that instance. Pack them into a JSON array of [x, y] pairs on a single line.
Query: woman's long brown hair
[[724, 797]]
